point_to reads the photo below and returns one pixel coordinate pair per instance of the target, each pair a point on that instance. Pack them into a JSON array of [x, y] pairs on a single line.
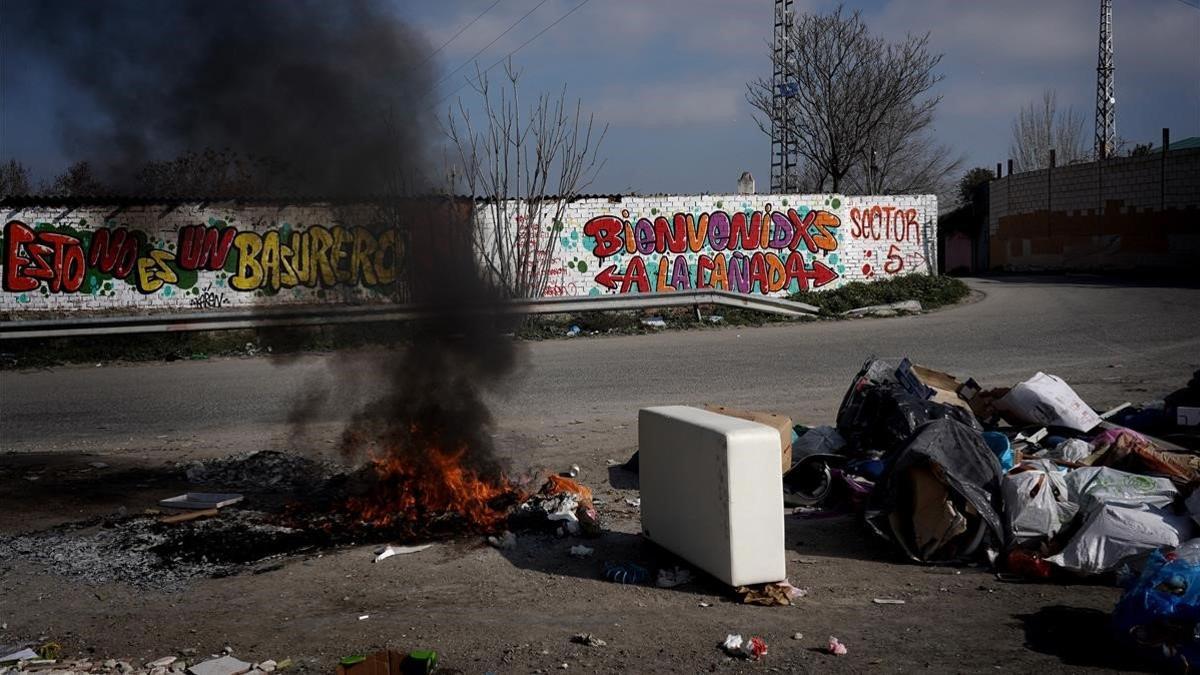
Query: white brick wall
[[869, 238], [58, 259]]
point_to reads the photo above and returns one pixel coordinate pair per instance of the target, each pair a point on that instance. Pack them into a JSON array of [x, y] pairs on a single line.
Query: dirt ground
[[490, 610]]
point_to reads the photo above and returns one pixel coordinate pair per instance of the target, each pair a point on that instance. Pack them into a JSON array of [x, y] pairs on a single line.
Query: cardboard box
[[712, 492], [781, 424]]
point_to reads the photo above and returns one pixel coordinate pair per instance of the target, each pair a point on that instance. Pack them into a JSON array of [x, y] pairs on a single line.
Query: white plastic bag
[[1113, 533], [1071, 450], [1037, 501], [1046, 399], [1092, 486]]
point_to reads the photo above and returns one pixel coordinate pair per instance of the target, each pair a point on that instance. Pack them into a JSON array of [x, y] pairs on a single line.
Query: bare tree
[[525, 165], [14, 179], [902, 157], [77, 181], [210, 173], [1040, 127], [844, 85]]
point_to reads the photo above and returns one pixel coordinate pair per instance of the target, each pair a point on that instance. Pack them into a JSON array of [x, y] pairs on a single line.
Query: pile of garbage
[[1030, 476]]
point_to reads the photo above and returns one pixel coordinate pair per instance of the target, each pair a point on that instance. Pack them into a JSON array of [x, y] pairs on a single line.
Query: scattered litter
[[588, 639], [573, 471], [508, 540], [705, 604], [754, 648], [654, 322], [389, 551], [574, 331], [715, 318], [778, 594], [201, 500], [23, 655], [364, 617], [626, 573], [225, 665], [636, 503], [670, 578], [836, 647], [797, 636], [888, 601], [163, 662], [385, 661], [581, 551]]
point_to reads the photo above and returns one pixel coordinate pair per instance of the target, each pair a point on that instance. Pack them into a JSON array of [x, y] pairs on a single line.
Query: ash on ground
[[266, 469]]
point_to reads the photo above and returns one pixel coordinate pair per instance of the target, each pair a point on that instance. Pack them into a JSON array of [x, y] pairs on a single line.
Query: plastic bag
[[1047, 400], [1037, 501], [1158, 616], [1091, 486], [1071, 450], [1113, 533]]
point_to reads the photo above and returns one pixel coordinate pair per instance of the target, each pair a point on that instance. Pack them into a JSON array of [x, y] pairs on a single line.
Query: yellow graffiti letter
[[249, 270]]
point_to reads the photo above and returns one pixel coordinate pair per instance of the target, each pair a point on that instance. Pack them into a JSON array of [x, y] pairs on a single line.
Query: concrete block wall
[[680, 242], [1122, 213]]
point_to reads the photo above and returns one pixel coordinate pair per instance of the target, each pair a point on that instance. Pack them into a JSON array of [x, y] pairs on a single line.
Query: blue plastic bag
[[1159, 616], [1001, 447]]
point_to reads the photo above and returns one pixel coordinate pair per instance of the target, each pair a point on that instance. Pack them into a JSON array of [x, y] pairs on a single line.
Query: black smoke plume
[[334, 97]]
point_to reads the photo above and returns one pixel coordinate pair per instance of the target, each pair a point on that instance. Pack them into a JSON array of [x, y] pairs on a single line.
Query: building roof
[[1185, 144]]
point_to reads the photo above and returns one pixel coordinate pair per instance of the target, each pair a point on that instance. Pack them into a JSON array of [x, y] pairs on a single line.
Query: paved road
[[1112, 342]]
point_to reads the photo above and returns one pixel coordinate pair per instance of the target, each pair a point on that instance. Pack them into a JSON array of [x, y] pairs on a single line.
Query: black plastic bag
[[952, 457]]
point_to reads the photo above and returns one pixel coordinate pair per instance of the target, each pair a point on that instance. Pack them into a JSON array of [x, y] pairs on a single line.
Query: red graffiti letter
[[607, 232]]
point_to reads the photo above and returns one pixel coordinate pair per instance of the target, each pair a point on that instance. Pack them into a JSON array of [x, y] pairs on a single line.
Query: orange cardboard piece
[[778, 422], [935, 520], [944, 386]]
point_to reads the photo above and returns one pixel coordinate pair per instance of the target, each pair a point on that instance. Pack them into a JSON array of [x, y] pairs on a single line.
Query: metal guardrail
[[262, 317]]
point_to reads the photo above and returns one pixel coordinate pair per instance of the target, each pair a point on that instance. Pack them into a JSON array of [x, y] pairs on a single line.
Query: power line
[[510, 54], [485, 48], [460, 32]]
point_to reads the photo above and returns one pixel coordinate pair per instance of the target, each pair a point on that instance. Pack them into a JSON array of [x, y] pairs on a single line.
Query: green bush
[[931, 291]]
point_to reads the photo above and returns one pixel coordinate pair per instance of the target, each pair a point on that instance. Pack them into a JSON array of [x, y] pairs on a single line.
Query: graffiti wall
[[191, 257], [770, 244]]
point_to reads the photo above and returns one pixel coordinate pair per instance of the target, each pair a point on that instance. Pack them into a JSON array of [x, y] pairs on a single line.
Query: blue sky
[[668, 76]]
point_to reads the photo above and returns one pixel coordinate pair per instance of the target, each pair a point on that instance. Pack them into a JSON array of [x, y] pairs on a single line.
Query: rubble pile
[[46, 661]]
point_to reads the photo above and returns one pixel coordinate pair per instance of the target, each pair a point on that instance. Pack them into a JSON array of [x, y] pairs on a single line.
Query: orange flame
[[411, 494]]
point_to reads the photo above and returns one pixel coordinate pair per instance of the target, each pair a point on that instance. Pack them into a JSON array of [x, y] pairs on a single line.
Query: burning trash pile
[[293, 505], [1030, 477]]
